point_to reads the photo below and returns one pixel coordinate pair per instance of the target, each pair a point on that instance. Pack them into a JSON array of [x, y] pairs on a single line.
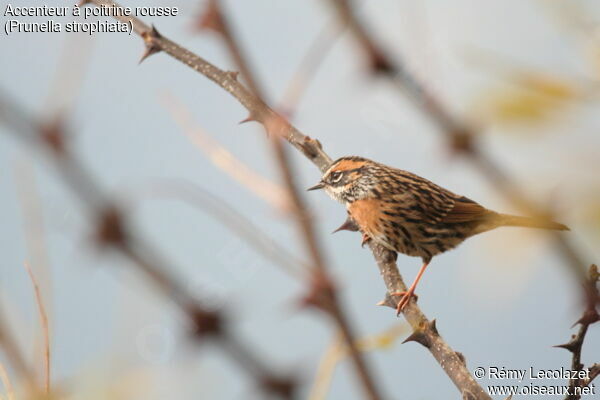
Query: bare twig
[[44, 327], [575, 345], [312, 149], [10, 391]]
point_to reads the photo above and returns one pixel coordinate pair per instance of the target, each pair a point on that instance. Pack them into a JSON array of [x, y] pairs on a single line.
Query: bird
[[408, 214]]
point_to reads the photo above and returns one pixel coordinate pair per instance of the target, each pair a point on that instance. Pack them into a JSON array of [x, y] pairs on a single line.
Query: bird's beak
[[319, 185]]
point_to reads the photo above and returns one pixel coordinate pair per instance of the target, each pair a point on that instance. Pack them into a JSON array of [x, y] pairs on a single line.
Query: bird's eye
[[336, 176]]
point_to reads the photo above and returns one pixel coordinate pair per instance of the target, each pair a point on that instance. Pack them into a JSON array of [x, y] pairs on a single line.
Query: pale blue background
[[502, 299]]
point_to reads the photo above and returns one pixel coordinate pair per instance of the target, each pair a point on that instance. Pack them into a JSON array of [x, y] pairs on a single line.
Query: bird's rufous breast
[[367, 213]]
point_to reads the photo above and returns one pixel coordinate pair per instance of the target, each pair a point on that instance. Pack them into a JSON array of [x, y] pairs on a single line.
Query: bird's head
[[348, 179]]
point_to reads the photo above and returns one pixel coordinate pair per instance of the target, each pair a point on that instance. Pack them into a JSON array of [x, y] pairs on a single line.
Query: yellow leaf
[[549, 86], [516, 105]]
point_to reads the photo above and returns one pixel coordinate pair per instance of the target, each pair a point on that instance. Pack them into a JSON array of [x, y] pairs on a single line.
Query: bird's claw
[[365, 239], [406, 296]]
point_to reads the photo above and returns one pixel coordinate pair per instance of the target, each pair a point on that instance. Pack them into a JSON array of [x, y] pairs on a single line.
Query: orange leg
[[403, 293], [410, 292]]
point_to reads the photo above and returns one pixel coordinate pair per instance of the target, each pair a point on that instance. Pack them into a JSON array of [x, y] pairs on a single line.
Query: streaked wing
[[466, 210], [422, 200]]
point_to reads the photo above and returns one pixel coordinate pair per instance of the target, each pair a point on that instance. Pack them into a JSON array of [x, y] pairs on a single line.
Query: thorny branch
[[424, 330], [322, 293], [575, 345], [112, 232]]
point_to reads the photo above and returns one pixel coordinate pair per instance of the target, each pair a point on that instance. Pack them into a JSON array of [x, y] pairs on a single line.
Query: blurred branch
[[322, 291], [69, 74], [10, 392], [320, 47], [43, 326], [273, 193], [112, 232], [575, 345], [461, 136], [13, 353], [450, 361], [239, 225], [33, 229]]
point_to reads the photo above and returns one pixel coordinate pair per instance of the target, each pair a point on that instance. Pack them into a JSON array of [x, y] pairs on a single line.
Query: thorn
[[232, 74], [348, 225], [151, 40], [152, 34], [419, 337], [110, 229], [570, 346], [318, 144], [461, 357], [365, 239], [388, 301], [284, 387], [589, 317], [379, 64], [211, 18], [206, 323], [321, 292], [461, 140], [309, 145], [249, 118], [432, 326], [53, 134], [151, 49]]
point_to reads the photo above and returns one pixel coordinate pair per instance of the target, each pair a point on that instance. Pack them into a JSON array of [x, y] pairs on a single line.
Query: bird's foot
[[406, 296], [365, 239]]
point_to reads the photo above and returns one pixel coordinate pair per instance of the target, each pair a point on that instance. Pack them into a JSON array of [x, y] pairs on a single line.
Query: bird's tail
[[540, 223]]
